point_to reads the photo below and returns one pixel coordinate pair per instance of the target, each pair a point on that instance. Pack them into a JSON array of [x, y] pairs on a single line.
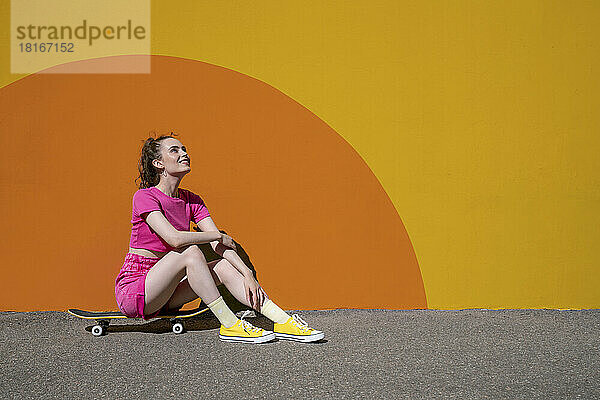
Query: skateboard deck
[[103, 318]]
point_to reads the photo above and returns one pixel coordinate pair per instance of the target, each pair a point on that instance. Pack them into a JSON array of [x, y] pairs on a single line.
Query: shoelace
[[300, 323], [248, 327]]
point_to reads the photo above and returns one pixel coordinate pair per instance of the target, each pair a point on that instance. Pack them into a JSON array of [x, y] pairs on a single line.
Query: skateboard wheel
[[177, 328], [97, 330]]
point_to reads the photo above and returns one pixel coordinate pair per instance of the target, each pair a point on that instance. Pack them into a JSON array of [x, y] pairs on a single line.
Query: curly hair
[[149, 175]]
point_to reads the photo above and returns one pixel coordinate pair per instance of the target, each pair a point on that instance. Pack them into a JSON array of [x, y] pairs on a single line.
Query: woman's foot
[[295, 328], [245, 332]]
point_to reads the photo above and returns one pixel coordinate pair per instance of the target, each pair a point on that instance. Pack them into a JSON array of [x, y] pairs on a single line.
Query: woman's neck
[[169, 186]]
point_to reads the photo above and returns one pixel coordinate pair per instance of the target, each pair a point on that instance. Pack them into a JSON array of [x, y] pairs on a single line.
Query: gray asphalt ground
[[416, 354]]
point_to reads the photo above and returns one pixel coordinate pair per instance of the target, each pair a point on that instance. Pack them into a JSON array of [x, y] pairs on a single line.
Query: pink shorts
[[130, 285]]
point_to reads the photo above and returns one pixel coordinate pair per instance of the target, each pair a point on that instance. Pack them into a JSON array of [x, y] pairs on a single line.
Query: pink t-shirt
[[178, 211]]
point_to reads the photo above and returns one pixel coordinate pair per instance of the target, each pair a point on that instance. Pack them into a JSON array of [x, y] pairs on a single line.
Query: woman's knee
[[193, 255]]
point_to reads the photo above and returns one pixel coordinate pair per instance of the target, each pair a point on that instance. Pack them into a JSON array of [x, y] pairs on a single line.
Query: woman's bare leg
[[165, 276], [223, 273], [184, 293], [233, 280]]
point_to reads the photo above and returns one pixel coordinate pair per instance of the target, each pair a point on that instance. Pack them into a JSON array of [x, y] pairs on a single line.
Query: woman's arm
[[161, 225], [208, 225]]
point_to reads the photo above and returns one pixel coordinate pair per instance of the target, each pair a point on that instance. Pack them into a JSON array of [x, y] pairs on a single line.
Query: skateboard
[[103, 318]]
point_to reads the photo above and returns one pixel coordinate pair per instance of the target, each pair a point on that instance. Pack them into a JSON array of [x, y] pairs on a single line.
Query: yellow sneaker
[[295, 328], [245, 332]]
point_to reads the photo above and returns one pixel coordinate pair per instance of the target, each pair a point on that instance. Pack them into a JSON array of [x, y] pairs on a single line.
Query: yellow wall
[[479, 119]]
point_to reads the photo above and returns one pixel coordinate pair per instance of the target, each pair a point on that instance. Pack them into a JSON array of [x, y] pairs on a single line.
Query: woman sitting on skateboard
[[164, 269]]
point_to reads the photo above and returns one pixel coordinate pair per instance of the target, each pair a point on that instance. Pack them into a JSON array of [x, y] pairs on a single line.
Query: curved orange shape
[[318, 226]]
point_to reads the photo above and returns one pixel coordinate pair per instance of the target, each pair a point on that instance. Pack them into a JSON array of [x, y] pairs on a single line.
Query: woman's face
[[175, 158]]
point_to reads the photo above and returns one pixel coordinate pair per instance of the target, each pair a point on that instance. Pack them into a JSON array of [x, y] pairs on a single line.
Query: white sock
[[273, 312], [222, 312]]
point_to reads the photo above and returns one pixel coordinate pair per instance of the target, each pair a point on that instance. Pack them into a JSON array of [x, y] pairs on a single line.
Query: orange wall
[[318, 226], [478, 120]]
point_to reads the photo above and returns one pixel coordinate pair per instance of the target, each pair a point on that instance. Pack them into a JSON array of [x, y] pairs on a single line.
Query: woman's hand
[[227, 240], [254, 293]]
